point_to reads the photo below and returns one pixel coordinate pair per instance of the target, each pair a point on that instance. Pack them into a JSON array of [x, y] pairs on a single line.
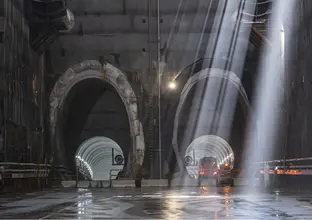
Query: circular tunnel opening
[[99, 158], [93, 109], [207, 146], [212, 123]]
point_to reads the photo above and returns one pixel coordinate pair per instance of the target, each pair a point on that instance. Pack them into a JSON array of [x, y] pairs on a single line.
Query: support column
[[154, 93]]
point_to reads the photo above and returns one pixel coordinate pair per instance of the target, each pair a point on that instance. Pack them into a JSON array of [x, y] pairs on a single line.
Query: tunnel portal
[[93, 108], [94, 100], [212, 114]]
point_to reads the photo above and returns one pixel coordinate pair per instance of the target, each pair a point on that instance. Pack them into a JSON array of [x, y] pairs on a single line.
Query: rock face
[[298, 117]]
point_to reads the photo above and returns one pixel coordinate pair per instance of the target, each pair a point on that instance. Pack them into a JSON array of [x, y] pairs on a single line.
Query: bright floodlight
[[172, 85]]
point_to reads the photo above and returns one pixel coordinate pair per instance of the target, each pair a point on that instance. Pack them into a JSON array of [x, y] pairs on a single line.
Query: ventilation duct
[[47, 18]]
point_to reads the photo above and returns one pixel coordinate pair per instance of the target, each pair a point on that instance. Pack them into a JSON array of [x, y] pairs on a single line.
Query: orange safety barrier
[[293, 172], [280, 171], [287, 172]]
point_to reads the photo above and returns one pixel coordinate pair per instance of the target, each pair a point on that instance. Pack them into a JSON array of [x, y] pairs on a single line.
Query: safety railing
[[10, 170], [111, 175], [13, 174], [295, 166]]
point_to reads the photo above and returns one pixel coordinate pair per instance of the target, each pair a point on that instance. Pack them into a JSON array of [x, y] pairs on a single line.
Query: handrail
[[286, 160], [286, 166], [110, 175], [13, 170], [24, 164]]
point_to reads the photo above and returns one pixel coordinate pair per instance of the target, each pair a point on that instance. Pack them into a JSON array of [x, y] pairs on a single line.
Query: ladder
[[152, 134]]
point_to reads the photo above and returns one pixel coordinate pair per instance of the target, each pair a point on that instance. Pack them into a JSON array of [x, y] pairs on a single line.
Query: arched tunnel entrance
[[95, 101], [93, 108], [211, 119]]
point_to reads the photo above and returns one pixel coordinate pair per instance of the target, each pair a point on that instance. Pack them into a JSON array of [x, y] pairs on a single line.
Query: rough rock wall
[[298, 66]]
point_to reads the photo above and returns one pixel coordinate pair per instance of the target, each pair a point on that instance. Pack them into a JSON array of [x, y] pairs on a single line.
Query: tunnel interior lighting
[[209, 146], [94, 158]]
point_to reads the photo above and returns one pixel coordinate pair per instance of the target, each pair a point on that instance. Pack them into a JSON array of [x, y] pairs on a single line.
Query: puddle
[[281, 214]]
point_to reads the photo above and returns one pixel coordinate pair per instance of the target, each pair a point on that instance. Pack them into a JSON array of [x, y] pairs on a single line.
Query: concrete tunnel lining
[[206, 146], [96, 157], [92, 69], [191, 82], [223, 149]]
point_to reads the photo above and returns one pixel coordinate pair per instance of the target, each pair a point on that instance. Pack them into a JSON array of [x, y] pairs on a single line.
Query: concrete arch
[[191, 82], [92, 69], [94, 157]]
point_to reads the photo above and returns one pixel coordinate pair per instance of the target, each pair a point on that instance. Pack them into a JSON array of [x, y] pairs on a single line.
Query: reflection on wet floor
[[82, 206], [155, 203]]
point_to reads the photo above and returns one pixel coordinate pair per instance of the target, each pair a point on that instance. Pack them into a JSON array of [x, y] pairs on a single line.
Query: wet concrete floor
[[156, 203]]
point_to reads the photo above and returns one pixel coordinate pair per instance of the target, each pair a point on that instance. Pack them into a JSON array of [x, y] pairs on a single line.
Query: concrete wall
[[299, 97], [121, 27], [118, 31], [21, 88], [106, 28]]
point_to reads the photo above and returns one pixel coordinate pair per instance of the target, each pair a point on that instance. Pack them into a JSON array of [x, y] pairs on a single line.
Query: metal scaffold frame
[[154, 82]]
